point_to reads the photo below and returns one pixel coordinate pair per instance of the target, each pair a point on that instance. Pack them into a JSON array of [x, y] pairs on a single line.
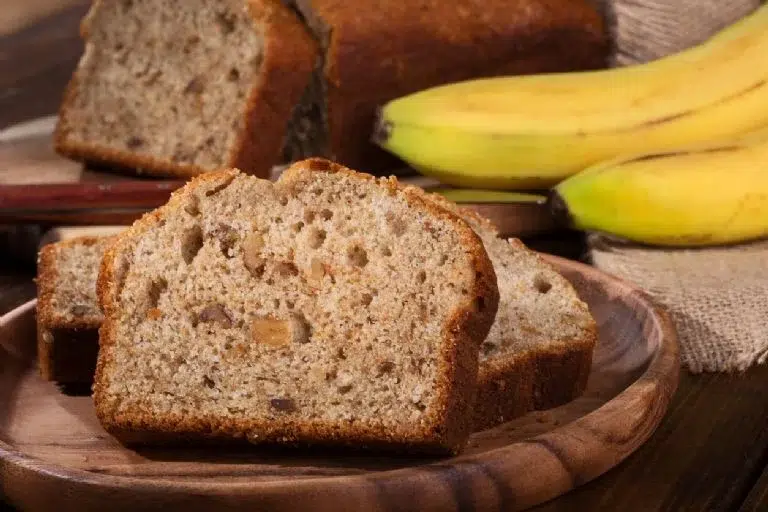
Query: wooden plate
[[518, 219], [27, 158], [55, 455]]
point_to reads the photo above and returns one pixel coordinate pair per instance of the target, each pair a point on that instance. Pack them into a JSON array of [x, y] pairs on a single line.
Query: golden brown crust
[[534, 380], [469, 325], [445, 433], [289, 60], [393, 48], [289, 55], [46, 279], [66, 346]]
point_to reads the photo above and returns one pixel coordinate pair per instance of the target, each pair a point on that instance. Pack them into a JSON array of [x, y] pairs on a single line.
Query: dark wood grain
[[706, 454], [16, 288], [92, 217], [54, 451], [74, 196], [757, 500], [86, 203]]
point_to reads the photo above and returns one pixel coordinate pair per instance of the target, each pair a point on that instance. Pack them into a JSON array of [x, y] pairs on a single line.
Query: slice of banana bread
[[68, 314], [325, 308], [178, 88], [538, 354]]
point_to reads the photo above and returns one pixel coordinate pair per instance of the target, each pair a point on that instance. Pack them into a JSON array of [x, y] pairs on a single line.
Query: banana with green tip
[[699, 196]]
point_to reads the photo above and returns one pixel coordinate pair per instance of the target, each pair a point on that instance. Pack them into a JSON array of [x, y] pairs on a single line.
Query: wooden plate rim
[[659, 380]]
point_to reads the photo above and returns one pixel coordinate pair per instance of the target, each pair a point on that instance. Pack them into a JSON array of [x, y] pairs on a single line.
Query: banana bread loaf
[[537, 355], [176, 89]]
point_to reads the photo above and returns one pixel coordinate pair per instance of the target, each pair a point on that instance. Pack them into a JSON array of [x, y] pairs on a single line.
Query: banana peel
[[693, 197]]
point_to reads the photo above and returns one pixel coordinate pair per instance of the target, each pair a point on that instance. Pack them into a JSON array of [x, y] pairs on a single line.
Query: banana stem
[[382, 129], [558, 209]]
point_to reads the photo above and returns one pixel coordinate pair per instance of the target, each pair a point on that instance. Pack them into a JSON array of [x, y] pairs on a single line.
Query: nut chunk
[[280, 333], [216, 313]]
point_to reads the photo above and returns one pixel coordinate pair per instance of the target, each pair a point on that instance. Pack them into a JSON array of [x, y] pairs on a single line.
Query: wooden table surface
[[711, 451]]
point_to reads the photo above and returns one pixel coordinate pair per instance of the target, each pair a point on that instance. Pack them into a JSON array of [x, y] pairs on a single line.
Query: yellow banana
[[705, 196], [533, 131]]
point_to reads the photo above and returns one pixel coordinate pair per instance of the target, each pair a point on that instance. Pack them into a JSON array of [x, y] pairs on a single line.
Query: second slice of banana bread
[[538, 354]]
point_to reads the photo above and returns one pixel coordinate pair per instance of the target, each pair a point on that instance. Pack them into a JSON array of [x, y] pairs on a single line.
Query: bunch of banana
[[702, 196], [533, 131]]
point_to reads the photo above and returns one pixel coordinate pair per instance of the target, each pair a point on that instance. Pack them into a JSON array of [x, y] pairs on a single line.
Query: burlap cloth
[[644, 30], [717, 297]]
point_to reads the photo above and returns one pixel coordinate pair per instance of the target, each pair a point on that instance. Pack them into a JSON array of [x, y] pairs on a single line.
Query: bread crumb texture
[[175, 95], [540, 307], [322, 307], [73, 272]]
